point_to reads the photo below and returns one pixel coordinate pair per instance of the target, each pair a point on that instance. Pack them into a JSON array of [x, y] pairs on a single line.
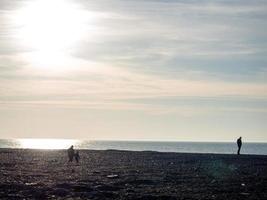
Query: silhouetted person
[[239, 145], [77, 156], [71, 153]]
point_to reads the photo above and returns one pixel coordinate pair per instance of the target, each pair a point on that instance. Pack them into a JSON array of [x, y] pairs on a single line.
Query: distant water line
[[185, 147]]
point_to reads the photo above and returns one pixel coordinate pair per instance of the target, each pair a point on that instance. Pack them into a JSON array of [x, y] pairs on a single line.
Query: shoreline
[[120, 174], [122, 150]]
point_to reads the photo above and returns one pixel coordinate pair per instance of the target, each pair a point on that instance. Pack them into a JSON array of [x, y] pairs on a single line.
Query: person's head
[[240, 138], [71, 146]]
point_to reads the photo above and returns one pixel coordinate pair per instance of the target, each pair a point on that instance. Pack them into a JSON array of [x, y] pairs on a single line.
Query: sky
[[161, 70]]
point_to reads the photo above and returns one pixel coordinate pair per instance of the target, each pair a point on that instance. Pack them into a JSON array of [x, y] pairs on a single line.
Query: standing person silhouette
[[71, 153], [239, 145]]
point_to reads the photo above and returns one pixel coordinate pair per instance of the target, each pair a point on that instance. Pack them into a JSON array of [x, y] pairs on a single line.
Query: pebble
[[244, 193], [112, 176]]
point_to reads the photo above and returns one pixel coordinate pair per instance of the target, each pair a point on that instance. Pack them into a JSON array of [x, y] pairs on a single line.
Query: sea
[[181, 147]]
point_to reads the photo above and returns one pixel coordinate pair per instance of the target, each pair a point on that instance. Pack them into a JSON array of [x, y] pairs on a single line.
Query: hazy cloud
[[159, 57]]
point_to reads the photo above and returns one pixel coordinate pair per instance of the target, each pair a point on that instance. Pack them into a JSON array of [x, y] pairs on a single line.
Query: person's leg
[[238, 152]]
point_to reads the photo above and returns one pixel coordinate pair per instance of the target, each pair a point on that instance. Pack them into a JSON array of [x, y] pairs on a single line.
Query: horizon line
[[135, 140]]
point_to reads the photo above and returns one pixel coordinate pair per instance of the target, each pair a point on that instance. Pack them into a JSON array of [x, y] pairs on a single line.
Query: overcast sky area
[[134, 69]]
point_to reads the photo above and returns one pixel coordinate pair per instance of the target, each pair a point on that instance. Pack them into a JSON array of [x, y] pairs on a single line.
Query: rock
[[31, 184], [245, 193], [113, 176]]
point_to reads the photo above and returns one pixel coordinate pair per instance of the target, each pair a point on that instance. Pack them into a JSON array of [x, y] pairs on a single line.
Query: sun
[[49, 29], [50, 25]]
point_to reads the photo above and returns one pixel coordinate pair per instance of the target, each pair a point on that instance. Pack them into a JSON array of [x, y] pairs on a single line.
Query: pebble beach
[[112, 174]]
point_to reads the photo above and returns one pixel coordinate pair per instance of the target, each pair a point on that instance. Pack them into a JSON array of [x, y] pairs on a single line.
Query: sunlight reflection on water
[[46, 143]]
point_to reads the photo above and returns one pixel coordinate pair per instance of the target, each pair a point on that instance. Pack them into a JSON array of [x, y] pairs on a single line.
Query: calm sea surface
[[192, 147]]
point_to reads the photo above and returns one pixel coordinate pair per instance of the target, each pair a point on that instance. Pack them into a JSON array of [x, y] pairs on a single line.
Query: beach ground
[[47, 174]]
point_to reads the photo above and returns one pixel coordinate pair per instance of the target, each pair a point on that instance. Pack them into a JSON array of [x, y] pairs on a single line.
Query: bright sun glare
[[50, 28], [50, 25], [46, 143]]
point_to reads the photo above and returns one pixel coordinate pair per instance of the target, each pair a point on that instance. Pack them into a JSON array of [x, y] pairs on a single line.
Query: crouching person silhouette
[[77, 156]]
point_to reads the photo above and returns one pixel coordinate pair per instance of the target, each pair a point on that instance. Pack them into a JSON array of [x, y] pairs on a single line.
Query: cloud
[[147, 49], [223, 38], [117, 84]]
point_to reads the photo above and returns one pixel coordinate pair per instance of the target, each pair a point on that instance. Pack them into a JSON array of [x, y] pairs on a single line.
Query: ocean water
[[189, 147]]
